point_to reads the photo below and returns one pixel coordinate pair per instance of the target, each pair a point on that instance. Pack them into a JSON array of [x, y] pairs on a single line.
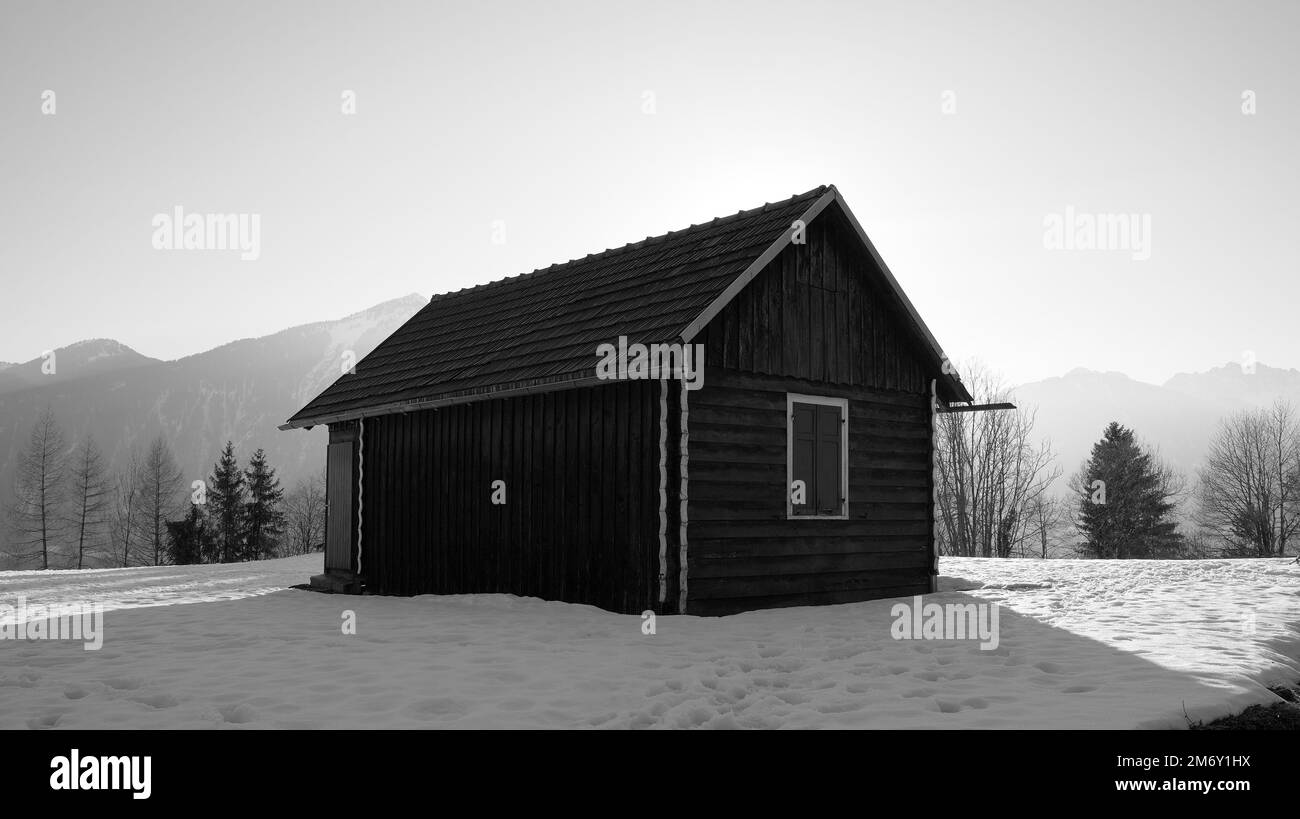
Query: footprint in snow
[[43, 723], [237, 714], [158, 701], [839, 707], [28, 679]]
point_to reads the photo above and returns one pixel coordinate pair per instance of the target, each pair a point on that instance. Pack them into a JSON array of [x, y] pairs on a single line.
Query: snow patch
[[1083, 644]]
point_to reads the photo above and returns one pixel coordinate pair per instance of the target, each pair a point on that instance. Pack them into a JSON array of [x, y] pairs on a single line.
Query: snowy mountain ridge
[[240, 391]]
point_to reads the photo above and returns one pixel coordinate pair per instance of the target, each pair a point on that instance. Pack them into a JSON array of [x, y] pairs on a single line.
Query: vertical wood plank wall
[[581, 518], [338, 492]]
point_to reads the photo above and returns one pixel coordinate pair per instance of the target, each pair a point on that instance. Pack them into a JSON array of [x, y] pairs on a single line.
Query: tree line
[[68, 512], [992, 489]]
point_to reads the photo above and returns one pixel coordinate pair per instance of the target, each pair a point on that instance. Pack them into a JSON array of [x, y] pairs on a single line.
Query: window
[[817, 456]]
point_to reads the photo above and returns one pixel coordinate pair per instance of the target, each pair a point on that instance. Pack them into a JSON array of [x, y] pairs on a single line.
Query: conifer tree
[[189, 538], [1126, 499], [226, 500], [263, 513]]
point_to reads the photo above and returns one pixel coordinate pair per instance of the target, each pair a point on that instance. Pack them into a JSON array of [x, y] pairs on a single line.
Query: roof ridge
[[609, 252]]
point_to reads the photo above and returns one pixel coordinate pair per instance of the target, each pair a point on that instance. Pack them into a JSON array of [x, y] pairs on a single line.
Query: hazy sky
[[574, 127]]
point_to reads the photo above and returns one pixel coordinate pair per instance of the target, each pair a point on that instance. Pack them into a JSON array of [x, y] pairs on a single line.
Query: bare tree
[[990, 472], [1049, 521], [305, 506], [126, 510], [1249, 487], [90, 498], [160, 498], [39, 487]]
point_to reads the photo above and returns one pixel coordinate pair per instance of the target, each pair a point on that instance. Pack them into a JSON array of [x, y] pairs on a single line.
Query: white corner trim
[[683, 564], [361, 484], [934, 486], [663, 490]]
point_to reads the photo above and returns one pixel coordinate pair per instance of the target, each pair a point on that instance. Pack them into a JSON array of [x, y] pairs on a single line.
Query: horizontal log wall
[[816, 321], [581, 521], [745, 554]]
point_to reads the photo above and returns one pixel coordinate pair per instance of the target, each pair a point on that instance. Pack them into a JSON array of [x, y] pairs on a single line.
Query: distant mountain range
[[240, 391], [1178, 417], [85, 358], [243, 390]]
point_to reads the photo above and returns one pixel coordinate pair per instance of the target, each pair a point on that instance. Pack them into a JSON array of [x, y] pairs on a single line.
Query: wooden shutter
[[803, 455], [338, 523], [817, 456], [827, 460]]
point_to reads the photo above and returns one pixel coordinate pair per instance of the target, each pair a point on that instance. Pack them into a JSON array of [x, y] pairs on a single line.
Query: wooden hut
[[510, 437]]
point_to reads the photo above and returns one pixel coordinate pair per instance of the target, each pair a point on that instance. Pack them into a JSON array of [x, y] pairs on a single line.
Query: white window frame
[[792, 398]]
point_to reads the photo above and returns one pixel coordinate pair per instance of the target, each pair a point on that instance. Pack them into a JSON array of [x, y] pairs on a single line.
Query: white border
[[791, 398]]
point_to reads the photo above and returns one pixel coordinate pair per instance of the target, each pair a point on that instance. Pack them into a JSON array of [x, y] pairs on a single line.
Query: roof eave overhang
[[416, 404], [732, 290], [951, 386]]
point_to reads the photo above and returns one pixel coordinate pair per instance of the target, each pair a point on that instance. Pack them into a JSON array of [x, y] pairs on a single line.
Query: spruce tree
[[1124, 501], [189, 539], [264, 517], [226, 498]]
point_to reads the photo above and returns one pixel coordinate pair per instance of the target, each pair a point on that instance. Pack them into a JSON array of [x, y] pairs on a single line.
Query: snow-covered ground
[[1085, 644]]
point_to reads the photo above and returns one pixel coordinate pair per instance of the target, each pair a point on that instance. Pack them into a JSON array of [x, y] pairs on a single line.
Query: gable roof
[[539, 330]]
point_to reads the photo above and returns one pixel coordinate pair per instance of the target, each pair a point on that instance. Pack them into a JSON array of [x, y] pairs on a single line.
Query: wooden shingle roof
[[541, 329]]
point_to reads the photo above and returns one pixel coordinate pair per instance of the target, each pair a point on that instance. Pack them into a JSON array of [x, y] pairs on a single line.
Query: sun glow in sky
[[492, 139]]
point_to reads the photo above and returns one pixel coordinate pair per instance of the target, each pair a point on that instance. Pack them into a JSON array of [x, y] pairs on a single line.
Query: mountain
[[1234, 386], [240, 391], [85, 358], [1178, 417], [243, 390]]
